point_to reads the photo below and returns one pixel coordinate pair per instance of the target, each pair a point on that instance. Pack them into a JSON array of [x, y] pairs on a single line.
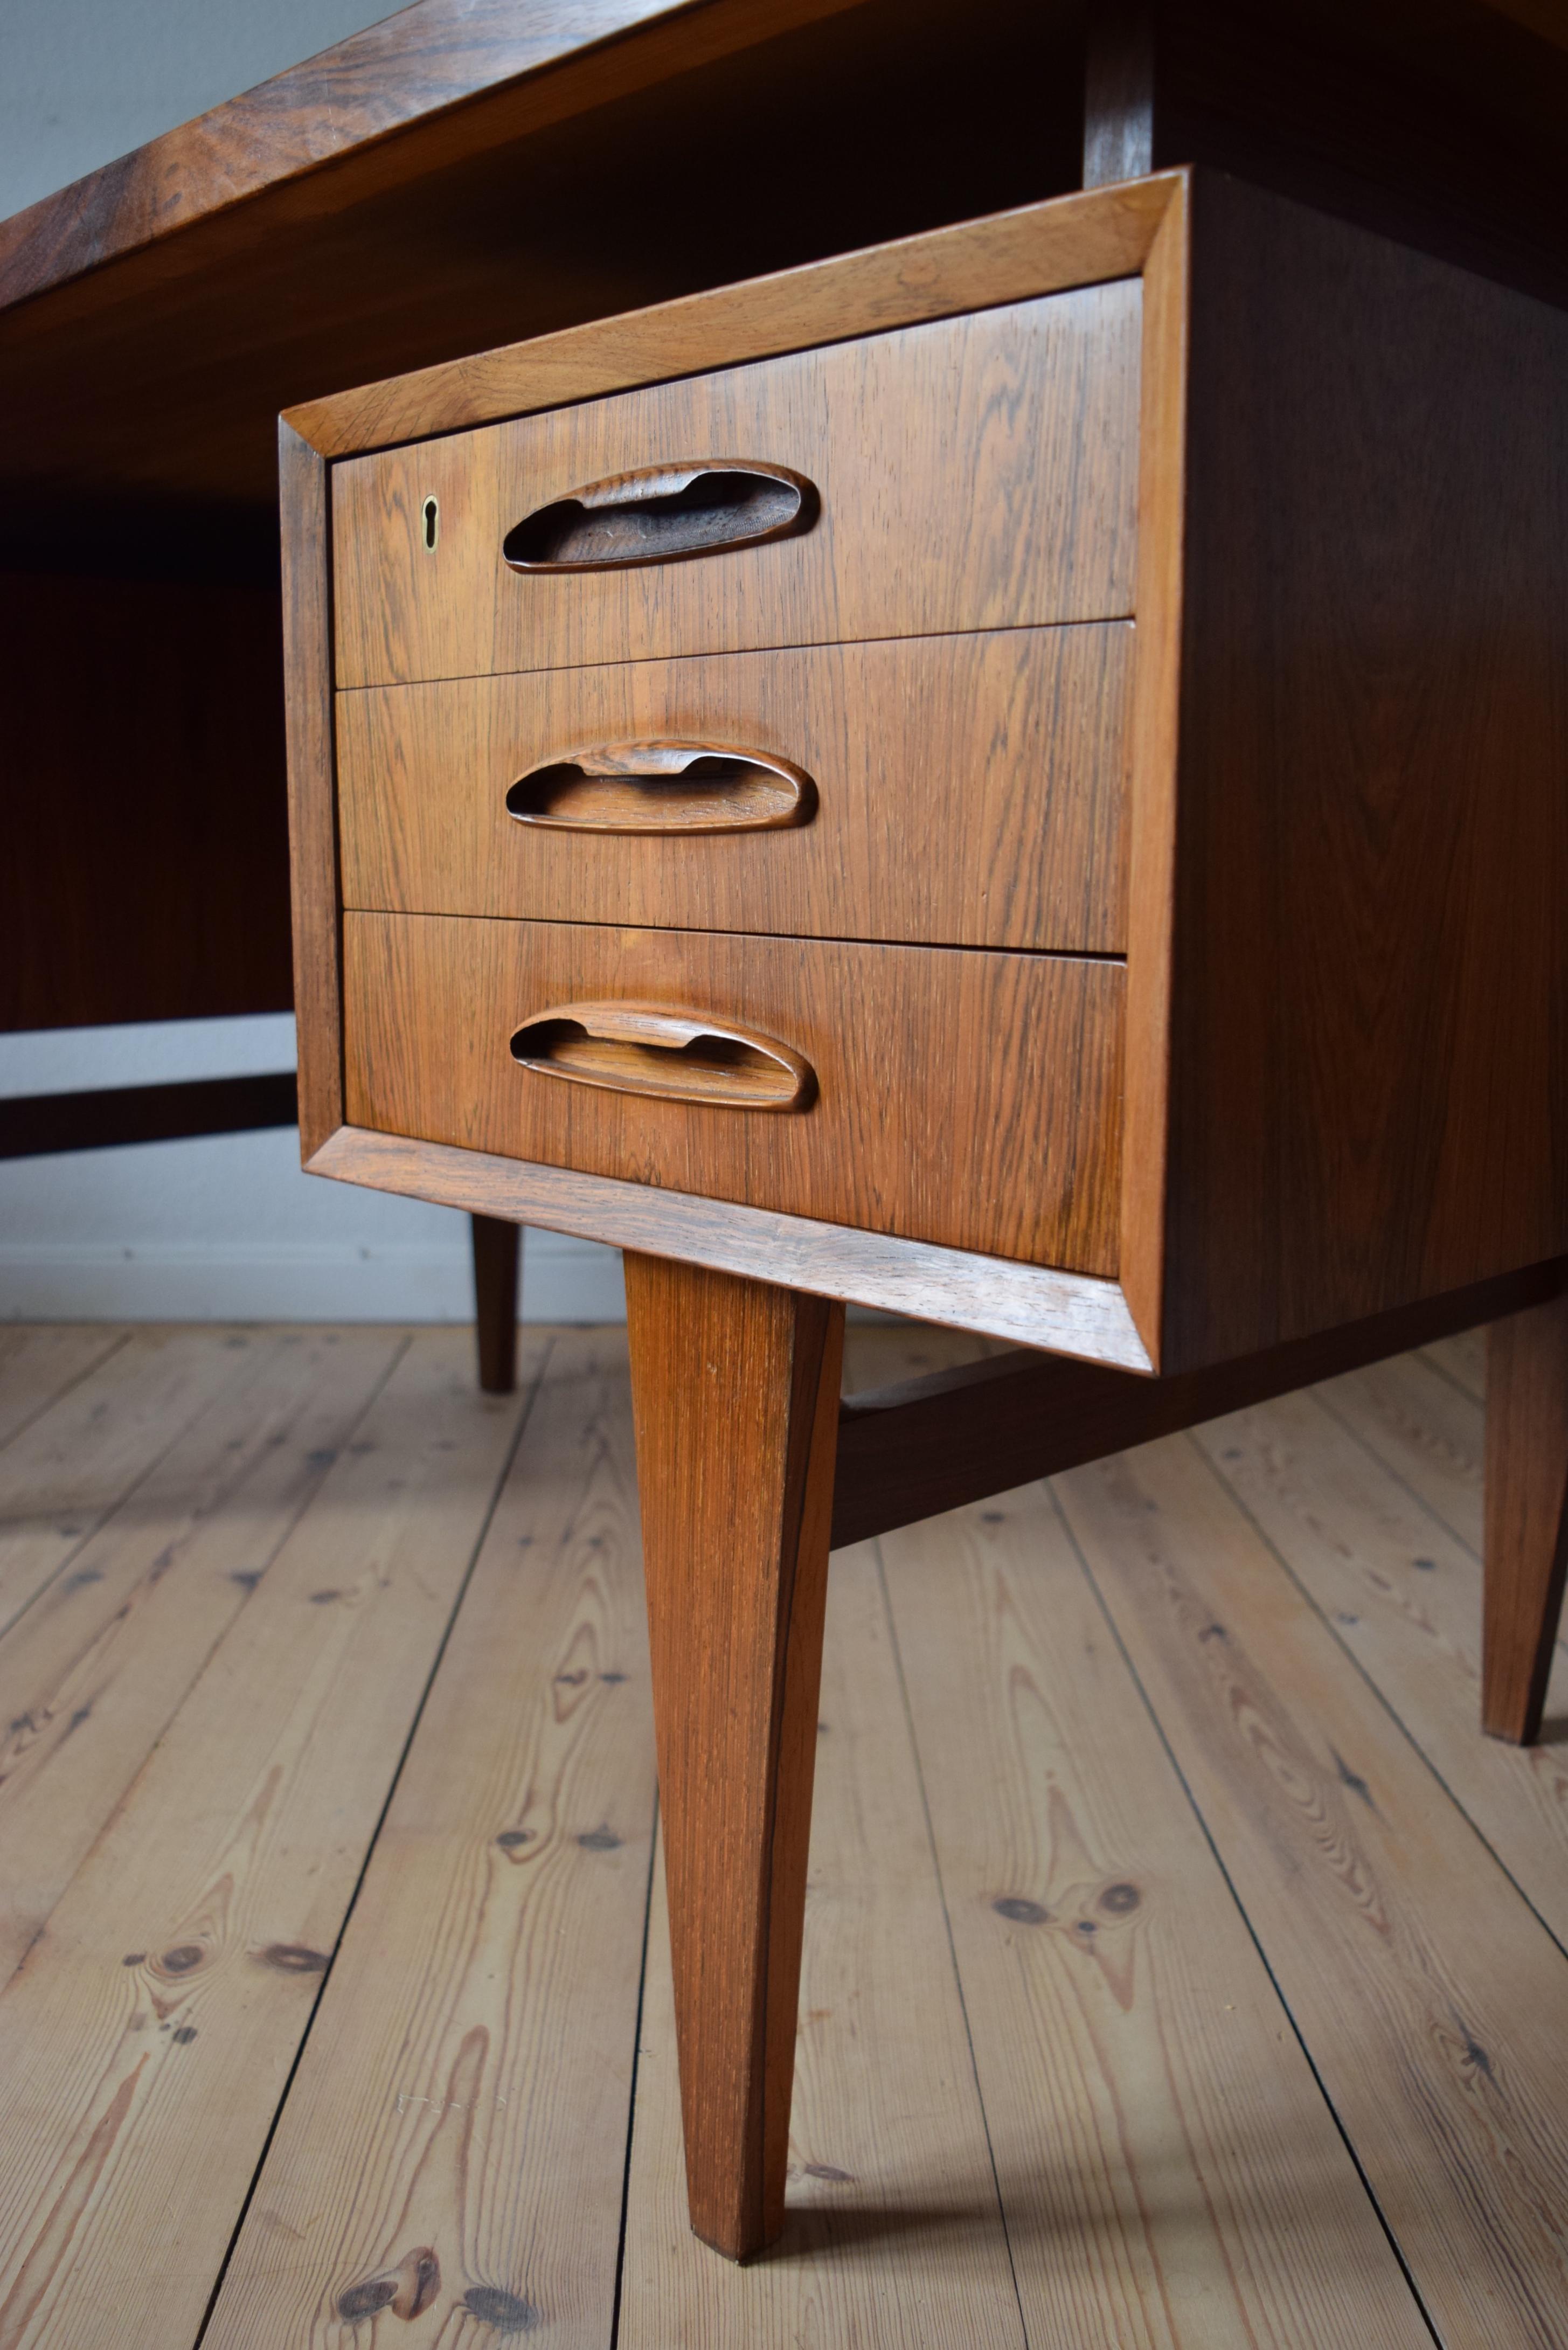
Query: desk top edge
[[434, 59]]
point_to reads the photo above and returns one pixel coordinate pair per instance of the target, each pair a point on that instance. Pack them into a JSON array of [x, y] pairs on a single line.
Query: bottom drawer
[[941, 1094]]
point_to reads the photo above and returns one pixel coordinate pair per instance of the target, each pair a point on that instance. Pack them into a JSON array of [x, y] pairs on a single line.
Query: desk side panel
[[143, 869], [312, 788], [1369, 990]]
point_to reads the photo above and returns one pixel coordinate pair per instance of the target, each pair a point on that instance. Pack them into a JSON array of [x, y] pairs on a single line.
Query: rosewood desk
[[1275, 1017], [466, 173], [1017, 775], [471, 172]]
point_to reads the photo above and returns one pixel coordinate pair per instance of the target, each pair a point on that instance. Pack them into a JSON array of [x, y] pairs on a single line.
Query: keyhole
[[432, 525]]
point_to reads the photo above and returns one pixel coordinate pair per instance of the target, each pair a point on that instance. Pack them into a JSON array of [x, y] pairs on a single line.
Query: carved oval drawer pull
[[664, 787], [660, 515], [644, 1048]]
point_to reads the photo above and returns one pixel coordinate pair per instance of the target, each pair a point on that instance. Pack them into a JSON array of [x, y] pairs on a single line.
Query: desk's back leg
[[1526, 1514], [495, 1302], [735, 1399]]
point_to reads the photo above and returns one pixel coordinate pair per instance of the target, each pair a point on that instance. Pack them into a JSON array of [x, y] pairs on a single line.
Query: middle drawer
[[964, 790]]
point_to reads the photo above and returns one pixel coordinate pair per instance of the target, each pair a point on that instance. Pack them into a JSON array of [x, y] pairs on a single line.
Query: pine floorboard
[[39, 1361], [457, 2133], [1182, 1968], [147, 2035]]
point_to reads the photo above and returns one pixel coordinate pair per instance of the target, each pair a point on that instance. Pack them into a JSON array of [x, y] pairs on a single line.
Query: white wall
[[82, 82], [227, 1227]]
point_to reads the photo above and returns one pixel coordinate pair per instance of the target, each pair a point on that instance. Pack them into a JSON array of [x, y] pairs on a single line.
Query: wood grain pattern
[[177, 1975], [1526, 1516], [1029, 1306], [1154, 807], [735, 1401], [143, 770], [969, 1099], [1008, 750], [1433, 2003], [1409, 1415], [74, 1464], [39, 1361], [1403, 1592], [973, 473], [466, 2093], [1171, 2173], [1416, 1419], [1010, 256], [1368, 1099], [1142, 2160], [924, 1445], [92, 1673], [1119, 60], [892, 2231], [312, 786], [1295, 1089]]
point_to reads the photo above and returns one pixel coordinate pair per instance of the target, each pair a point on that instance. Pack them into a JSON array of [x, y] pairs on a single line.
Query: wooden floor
[[1182, 1968]]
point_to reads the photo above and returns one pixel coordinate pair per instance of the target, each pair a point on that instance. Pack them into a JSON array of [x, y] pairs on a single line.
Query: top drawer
[[976, 472]]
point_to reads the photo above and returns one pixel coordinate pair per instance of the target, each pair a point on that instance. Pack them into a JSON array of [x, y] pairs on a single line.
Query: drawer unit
[[913, 558], [962, 790], [971, 472], [967, 1099], [1305, 1102]]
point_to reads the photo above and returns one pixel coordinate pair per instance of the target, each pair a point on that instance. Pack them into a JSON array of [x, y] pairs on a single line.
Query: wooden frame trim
[[308, 672], [1084, 239], [910, 1451], [1032, 1305], [1152, 810]]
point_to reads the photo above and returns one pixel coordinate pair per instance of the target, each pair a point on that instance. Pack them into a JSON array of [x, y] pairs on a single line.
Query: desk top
[[472, 173]]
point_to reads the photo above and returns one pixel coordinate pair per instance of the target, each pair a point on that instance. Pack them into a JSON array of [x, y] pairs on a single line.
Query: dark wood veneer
[[1011, 748], [735, 1469], [32, 1125], [1344, 1108], [144, 865], [971, 472], [930, 1444], [312, 789], [1026, 1304], [1342, 1092], [1369, 999], [965, 1098]]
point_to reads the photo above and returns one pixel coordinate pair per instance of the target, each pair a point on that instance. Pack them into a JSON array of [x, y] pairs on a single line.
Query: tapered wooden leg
[[495, 1302], [735, 1401], [1526, 1514]]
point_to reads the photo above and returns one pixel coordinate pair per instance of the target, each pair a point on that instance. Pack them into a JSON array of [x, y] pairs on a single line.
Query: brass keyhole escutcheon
[[432, 518]]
